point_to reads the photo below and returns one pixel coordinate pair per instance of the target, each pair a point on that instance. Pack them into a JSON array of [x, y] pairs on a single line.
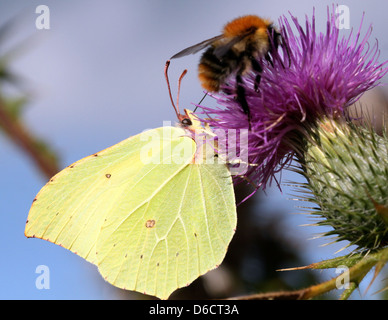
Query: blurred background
[[95, 78]]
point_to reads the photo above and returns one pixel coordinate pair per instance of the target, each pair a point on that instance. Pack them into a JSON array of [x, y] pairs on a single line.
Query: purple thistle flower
[[311, 76]]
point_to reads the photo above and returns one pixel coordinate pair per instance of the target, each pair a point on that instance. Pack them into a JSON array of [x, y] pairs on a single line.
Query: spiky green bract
[[347, 172]]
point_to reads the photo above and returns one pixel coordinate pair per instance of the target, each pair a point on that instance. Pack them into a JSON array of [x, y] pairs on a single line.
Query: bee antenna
[[168, 86]]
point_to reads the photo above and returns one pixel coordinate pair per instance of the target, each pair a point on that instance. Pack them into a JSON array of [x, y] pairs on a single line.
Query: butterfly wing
[[151, 226], [182, 232], [71, 208]]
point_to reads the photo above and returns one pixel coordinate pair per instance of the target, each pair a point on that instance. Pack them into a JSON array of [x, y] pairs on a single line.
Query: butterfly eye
[[186, 122]]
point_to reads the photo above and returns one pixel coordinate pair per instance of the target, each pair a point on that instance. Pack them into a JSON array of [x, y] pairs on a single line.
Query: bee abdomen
[[212, 71]]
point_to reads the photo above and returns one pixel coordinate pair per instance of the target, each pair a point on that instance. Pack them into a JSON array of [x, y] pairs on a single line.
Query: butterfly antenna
[[179, 87], [203, 98], [168, 85]]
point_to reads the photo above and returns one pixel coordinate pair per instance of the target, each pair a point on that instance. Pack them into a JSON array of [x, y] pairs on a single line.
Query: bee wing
[[221, 50], [197, 47]]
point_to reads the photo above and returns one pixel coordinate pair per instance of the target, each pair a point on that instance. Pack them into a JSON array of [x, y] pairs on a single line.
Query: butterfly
[[152, 212]]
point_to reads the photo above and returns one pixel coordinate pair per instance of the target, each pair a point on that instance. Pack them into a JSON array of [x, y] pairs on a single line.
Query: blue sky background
[[96, 78]]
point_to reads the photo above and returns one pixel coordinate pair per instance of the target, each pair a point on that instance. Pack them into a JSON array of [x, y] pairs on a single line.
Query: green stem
[[356, 273], [18, 133], [346, 294]]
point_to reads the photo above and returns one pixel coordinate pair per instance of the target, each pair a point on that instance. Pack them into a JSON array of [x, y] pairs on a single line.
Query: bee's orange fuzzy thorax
[[241, 24]]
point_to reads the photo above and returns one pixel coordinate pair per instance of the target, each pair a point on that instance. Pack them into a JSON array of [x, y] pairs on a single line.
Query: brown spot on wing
[[150, 223]]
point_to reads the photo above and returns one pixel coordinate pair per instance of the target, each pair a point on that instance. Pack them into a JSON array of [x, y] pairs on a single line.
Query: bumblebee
[[237, 50]]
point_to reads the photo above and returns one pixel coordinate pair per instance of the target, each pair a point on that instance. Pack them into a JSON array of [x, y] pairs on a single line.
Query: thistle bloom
[[311, 76]]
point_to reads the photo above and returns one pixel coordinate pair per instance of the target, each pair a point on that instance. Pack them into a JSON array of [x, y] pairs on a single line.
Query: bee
[[237, 50]]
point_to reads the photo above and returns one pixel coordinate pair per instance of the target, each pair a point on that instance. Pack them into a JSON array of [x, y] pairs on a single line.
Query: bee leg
[[256, 66], [241, 98], [268, 58]]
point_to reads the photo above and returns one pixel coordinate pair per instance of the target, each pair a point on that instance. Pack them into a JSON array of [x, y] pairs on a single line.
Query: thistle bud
[[347, 172]]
